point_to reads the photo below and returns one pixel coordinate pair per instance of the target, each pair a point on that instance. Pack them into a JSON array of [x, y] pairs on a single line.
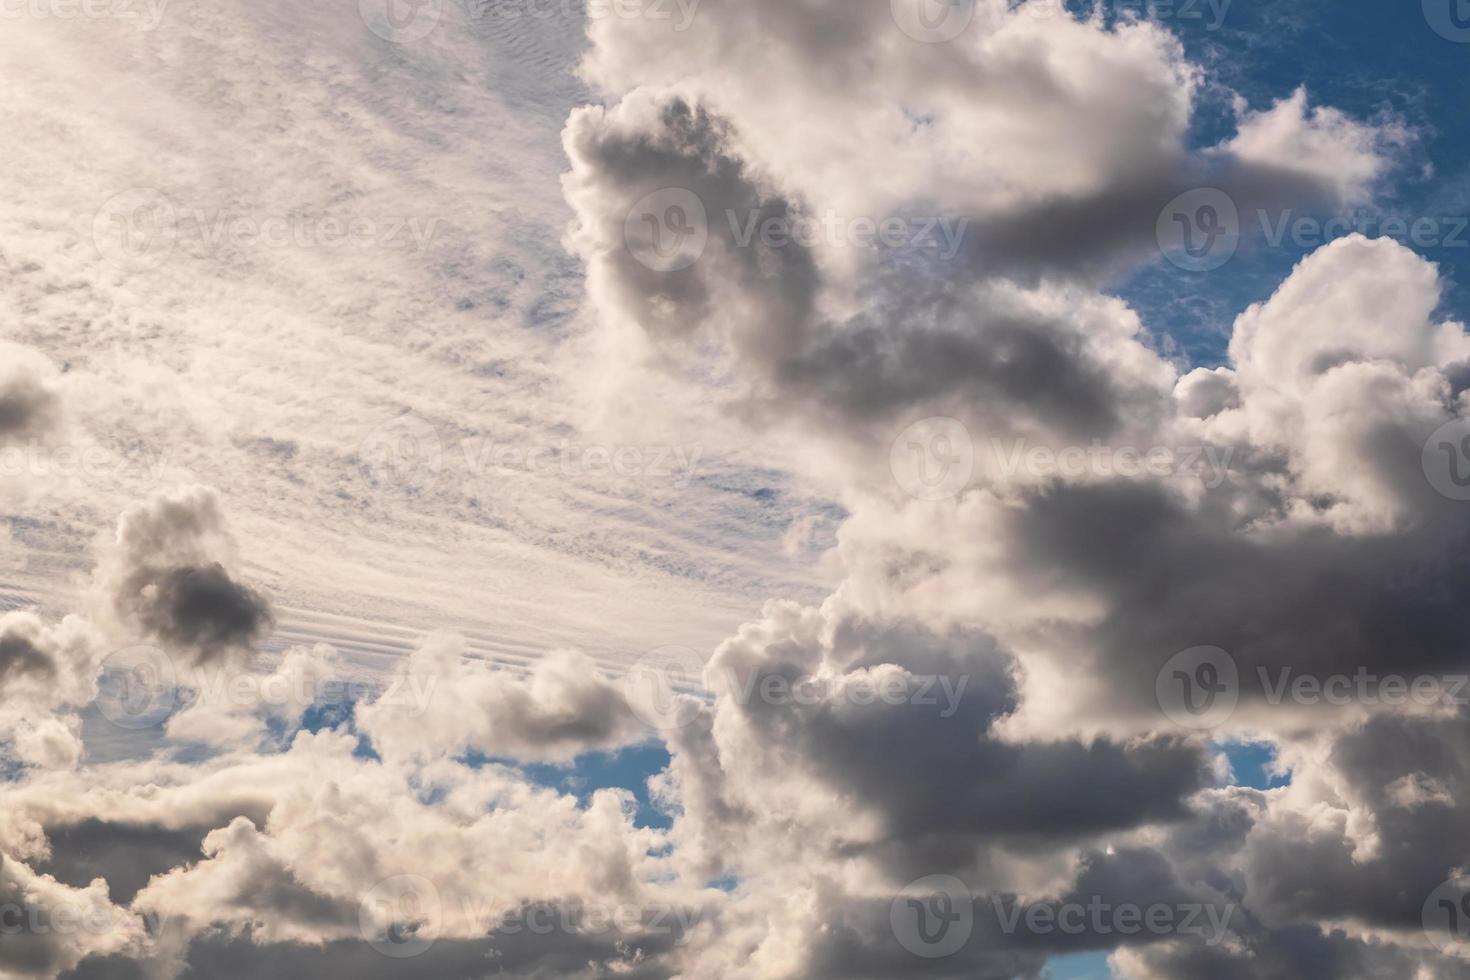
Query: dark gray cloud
[[29, 406], [20, 656], [125, 855], [198, 608]]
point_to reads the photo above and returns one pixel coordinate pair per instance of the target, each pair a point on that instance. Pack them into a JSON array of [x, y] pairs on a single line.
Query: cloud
[[164, 579], [441, 703], [30, 398]]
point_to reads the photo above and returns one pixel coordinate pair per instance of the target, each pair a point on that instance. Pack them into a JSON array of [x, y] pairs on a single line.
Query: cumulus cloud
[[30, 399], [978, 696], [167, 579], [441, 703]]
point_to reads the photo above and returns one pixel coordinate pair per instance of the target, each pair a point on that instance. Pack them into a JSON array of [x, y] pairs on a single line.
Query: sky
[[734, 489]]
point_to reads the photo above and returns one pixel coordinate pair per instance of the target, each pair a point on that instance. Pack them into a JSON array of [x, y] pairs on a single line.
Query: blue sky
[[1367, 59]]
